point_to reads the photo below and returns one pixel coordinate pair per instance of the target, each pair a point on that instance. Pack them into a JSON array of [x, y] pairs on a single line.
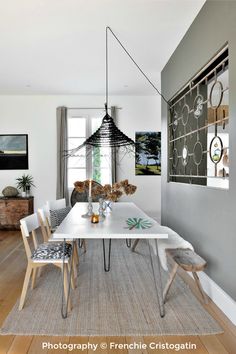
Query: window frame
[[88, 156]]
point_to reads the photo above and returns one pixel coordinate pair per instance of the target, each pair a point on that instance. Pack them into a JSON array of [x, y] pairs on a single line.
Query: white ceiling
[[58, 46]]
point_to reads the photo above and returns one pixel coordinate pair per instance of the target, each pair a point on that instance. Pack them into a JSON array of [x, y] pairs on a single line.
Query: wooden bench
[[190, 262]]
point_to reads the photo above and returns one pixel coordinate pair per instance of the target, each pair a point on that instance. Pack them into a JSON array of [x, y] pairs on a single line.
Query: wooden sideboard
[[14, 209]]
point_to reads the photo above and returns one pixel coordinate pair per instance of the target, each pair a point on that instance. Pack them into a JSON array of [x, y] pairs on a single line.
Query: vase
[[27, 191]]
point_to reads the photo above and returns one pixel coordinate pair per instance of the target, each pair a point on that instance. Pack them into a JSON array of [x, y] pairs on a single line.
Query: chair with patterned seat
[[56, 212], [44, 216], [40, 255]]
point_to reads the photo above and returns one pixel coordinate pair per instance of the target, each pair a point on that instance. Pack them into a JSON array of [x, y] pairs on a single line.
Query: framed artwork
[[148, 153], [14, 152]]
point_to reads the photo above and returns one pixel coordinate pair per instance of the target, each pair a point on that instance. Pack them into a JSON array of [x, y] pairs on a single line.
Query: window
[[84, 165]]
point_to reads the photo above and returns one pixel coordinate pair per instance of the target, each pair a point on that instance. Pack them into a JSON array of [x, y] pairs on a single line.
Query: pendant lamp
[[108, 135]]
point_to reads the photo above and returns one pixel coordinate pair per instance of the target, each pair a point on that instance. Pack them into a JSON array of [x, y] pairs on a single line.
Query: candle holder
[[95, 219], [101, 210], [90, 209]]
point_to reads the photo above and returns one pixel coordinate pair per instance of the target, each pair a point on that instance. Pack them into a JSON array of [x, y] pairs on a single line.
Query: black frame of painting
[[148, 170], [13, 162]]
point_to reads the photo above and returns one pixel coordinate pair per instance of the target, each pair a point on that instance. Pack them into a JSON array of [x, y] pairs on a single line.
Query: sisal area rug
[[121, 302]]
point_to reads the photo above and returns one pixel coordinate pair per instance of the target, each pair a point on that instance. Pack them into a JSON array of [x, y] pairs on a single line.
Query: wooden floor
[[12, 270]]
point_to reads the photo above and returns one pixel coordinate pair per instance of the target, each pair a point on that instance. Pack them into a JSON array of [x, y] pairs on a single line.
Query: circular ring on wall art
[[197, 153], [174, 117], [175, 158], [216, 149], [184, 155], [185, 114], [216, 94], [175, 125], [198, 106]]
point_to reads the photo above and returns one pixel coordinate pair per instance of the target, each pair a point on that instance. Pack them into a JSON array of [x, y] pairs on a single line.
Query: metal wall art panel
[[198, 139]]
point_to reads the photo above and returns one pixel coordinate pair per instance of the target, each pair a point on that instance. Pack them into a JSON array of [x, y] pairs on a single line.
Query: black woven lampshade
[[108, 135]]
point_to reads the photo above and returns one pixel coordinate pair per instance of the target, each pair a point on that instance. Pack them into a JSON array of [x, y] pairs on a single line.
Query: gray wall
[[204, 216]]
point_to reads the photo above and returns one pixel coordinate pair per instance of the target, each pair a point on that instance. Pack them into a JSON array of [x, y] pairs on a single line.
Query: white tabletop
[[114, 226]]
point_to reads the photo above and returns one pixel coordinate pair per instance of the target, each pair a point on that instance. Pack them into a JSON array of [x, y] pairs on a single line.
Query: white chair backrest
[[29, 224], [56, 204], [44, 213], [44, 219]]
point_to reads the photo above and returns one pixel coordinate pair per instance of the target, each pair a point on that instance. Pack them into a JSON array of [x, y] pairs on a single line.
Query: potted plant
[[24, 183]]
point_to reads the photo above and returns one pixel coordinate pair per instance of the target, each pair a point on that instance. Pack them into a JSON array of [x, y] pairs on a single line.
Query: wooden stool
[[190, 262]]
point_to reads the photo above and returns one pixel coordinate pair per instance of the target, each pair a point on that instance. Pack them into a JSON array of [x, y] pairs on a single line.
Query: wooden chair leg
[[34, 275], [76, 254], [74, 271], [39, 272], [135, 244], [25, 286], [170, 281], [65, 280], [200, 287], [76, 258], [73, 279], [84, 245]]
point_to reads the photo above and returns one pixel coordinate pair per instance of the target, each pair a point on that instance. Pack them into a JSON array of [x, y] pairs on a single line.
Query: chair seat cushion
[[50, 250]]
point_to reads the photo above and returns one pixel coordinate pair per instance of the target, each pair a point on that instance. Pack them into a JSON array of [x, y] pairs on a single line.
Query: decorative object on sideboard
[[13, 152], [9, 192], [25, 183], [147, 153]]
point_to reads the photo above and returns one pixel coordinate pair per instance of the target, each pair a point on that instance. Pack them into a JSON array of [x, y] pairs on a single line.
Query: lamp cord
[[129, 55], [106, 104]]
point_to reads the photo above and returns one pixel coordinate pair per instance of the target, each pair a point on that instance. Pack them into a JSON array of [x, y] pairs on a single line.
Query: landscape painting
[[14, 152], [147, 153]]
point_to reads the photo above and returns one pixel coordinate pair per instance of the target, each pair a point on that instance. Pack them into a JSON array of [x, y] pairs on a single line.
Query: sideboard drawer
[[14, 209]]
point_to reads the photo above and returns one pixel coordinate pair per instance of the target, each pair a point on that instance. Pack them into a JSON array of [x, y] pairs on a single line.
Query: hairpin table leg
[[157, 277], [128, 242], [107, 263]]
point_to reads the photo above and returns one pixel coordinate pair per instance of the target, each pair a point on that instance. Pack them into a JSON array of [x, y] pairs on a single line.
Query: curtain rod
[[91, 108]]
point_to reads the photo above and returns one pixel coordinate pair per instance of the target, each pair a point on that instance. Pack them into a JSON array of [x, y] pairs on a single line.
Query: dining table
[[125, 221]]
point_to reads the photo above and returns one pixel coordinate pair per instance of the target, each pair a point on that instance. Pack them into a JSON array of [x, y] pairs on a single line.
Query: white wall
[[140, 114], [36, 116]]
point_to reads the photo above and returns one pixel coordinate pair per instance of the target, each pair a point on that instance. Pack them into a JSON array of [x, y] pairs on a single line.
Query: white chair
[[44, 219], [56, 205], [41, 255], [44, 216]]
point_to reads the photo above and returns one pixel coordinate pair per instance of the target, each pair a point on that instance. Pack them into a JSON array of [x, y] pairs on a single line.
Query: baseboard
[[218, 296]]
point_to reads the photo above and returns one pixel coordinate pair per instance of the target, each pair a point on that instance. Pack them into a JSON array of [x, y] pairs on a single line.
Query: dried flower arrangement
[[109, 192]]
